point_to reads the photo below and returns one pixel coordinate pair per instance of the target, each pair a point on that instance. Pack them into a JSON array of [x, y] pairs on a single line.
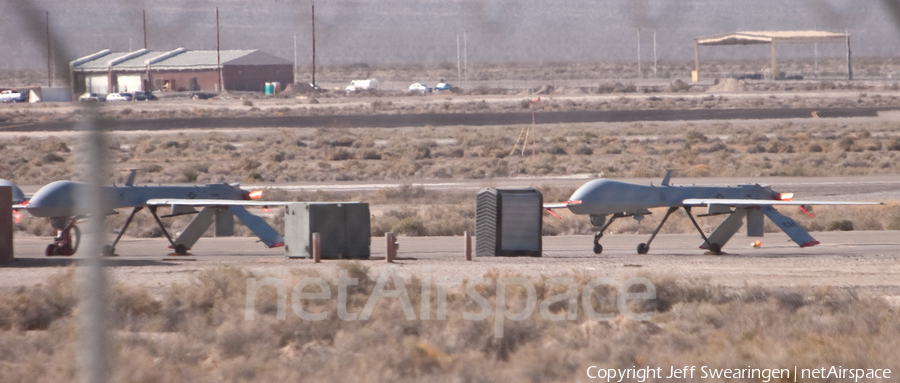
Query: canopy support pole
[[696, 76], [849, 66], [774, 67]]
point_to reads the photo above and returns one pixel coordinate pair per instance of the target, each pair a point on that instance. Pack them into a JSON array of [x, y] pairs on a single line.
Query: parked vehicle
[[357, 85], [12, 96], [122, 96], [91, 97], [201, 96], [419, 88], [144, 96], [443, 86]]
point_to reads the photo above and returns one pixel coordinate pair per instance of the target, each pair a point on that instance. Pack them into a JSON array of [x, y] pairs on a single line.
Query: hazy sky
[[405, 31]]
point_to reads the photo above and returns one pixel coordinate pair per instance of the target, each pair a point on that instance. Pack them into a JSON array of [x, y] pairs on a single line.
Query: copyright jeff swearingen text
[[641, 374]]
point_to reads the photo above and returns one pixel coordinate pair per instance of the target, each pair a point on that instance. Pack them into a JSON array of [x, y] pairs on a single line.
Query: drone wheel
[[643, 248], [715, 248], [76, 239], [108, 251], [598, 248], [65, 250], [180, 249]]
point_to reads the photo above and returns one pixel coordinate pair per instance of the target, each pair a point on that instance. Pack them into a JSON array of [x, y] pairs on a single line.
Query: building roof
[[767, 37], [173, 60]]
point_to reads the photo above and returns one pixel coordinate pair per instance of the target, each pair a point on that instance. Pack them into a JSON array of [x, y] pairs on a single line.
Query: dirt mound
[[728, 85], [678, 86], [544, 89], [576, 91], [296, 89], [607, 87], [569, 91]]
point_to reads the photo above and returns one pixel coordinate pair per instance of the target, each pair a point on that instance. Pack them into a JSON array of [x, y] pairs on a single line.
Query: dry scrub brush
[[743, 148], [197, 331], [815, 147]]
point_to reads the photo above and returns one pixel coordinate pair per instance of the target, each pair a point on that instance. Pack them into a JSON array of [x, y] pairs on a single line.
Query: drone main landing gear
[[644, 248], [64, 243], [110, 250], [180, 249], [714, 248]]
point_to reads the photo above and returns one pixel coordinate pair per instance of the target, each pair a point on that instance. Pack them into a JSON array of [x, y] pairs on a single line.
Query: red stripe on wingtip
[[810, 243], [279, 244], [552, 213]]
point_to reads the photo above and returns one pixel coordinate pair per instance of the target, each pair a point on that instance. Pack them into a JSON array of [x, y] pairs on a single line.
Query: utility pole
[[654, 54], [458, 75], [640, 73], [295, 58], [466, 56], [49, 73], [145, 28], [313, 46], [816, 52], [218, 52]]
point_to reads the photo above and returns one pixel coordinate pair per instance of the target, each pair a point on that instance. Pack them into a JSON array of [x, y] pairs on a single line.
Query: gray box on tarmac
[[344, 229], [508, 222]]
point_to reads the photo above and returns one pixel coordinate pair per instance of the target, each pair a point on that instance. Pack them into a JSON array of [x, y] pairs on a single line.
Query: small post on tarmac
[[391, 245], [316, 247], [6, 226], [467, 238]]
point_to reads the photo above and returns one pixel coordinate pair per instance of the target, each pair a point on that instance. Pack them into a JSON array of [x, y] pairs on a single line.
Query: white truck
[[356, 85], [11, 96]]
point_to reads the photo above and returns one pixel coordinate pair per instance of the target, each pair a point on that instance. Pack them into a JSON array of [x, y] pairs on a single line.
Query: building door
[[129, 83], [97, 84]]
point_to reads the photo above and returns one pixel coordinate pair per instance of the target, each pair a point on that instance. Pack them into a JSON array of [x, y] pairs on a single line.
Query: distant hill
[[425, 31]]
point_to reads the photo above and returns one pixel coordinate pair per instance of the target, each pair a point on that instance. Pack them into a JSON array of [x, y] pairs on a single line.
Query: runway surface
[[444, 119], [870, 188], [866, 260]]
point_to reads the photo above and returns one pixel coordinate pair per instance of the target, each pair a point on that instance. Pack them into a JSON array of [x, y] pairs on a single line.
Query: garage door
[[97, 84], [129, 83]]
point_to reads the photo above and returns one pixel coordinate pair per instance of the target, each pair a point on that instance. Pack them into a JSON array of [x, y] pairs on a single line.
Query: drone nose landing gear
[[65, 243], [598, 248]]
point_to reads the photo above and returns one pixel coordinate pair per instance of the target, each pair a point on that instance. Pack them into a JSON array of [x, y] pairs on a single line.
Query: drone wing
[[767, 207], [764, 202], [212, 202], [257, 225]]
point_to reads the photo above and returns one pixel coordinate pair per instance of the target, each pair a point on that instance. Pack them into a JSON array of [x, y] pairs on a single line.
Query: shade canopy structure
[[772, 38]]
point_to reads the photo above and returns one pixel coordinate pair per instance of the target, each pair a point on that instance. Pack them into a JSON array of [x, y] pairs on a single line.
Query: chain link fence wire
[[92, 283], [356, 36]]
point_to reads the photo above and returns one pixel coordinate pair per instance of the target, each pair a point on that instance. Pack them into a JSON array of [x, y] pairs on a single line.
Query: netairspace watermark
[[501, 310], [641, 374]]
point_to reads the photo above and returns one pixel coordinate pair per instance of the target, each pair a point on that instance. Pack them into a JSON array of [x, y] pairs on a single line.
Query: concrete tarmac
[[867, 260]]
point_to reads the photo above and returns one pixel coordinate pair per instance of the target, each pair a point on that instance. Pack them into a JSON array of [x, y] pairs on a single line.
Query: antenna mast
[[218, 52], [145, 28], [313, 45], [49, 75]]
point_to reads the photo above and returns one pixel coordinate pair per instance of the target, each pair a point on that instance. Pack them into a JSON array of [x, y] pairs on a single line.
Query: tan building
[[107, 72]]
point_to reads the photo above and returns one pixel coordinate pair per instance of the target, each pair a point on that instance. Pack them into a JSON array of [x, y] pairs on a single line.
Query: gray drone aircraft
[[601, 198], [57, 201]]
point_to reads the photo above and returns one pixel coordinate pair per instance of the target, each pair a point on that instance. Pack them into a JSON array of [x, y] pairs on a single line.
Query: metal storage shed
[[772, 38], [179, 69]]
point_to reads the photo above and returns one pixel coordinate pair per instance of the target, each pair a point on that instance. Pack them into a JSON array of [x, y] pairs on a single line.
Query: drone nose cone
[[590, 190], [17, 195], [56, 199]]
